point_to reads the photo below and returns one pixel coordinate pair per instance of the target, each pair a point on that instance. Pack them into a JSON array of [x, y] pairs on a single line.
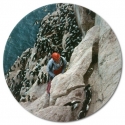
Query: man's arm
[[49, 69]]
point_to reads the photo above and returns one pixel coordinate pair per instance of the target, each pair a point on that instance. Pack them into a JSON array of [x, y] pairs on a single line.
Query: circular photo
[[62, 62]]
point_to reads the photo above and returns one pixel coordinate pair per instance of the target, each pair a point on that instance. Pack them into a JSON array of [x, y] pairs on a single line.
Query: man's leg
[[48, 87]]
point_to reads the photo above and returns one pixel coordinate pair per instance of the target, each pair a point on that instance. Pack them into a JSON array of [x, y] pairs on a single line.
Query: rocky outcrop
[[95, 59], [107, 72], [37, 104]]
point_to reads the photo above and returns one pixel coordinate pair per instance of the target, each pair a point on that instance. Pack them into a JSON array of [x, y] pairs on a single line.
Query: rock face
[[107, 71], [87, 18], [96, 60], [106, 75], [56, 113]]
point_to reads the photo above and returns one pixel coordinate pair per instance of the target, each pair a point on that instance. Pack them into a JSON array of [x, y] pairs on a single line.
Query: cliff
[[107, 70], [94, 58]]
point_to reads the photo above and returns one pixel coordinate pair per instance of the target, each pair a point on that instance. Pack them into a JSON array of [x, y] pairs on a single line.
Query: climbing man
[[56, 65]]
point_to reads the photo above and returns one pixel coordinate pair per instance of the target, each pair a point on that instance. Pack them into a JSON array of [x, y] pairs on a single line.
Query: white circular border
[[11, 12]]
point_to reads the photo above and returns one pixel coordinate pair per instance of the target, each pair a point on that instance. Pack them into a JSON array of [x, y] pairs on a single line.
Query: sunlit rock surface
[[95, 60]]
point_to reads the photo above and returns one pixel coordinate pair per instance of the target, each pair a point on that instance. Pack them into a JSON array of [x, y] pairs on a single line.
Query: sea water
[[24, 35]]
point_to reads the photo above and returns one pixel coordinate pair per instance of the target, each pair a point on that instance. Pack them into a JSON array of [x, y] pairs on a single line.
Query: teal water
[[24, 35]]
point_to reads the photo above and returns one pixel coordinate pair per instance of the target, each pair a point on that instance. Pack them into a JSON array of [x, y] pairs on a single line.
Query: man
[[56, 65]]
